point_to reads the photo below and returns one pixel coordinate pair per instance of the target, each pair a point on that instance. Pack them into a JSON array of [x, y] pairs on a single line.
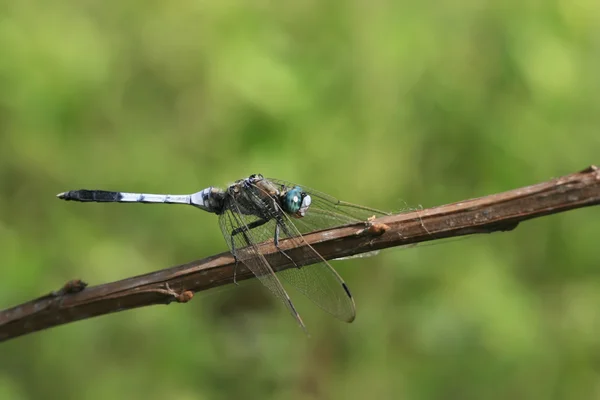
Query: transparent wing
[[326, 211], [317, 281], [244, 246]]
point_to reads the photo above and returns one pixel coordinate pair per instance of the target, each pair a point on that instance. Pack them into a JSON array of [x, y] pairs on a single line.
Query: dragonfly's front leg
[[276, 241], [243, 230]]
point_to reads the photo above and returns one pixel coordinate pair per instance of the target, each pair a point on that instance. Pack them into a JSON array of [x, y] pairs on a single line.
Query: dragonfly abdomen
[[209, 199]]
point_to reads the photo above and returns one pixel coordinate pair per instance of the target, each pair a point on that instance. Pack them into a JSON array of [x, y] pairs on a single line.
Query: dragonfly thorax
[[294, 201], [258, 196], [253, 196]]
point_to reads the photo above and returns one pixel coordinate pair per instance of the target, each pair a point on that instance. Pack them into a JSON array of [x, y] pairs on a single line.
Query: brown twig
[[497, 212]]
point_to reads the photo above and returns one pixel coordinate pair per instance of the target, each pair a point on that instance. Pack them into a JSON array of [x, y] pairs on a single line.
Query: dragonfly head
[[296, 202]]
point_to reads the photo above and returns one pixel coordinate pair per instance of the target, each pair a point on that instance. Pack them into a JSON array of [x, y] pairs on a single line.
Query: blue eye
[[293, 200], [296, 202]]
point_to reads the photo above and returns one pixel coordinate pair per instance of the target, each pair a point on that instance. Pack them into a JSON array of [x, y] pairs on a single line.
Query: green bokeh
[[389, 104]]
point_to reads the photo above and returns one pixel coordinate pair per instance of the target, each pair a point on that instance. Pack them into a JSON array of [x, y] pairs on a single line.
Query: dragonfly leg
[[250, 226], [243, 230], [235, 270], [235, 257], [276, 242]]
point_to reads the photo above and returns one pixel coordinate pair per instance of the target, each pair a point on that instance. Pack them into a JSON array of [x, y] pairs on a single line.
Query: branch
[[497, 212]]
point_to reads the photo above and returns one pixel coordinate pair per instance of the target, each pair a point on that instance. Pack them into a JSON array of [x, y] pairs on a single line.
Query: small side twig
[[497, 212]]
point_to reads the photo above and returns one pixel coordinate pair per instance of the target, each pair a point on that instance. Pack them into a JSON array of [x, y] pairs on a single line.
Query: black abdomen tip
[[90, 195]]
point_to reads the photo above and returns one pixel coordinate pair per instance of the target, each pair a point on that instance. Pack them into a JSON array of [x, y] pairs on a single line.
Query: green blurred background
[[387, 104]]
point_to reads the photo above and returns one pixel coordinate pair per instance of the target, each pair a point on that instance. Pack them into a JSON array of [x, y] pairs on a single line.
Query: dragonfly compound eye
[[296, 202]]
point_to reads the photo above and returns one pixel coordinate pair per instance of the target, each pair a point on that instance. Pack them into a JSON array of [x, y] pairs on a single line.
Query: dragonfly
[[256, 210]]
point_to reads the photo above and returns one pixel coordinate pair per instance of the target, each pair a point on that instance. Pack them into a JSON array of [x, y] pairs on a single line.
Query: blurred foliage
[[387, 104]]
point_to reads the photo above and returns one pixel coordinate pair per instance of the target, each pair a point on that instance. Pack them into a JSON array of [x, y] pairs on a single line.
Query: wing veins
[[255, 260], [345, 309]]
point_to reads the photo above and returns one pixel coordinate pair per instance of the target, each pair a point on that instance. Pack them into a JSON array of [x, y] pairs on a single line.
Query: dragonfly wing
[[244, 247], [324, 287], [317, 280]]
